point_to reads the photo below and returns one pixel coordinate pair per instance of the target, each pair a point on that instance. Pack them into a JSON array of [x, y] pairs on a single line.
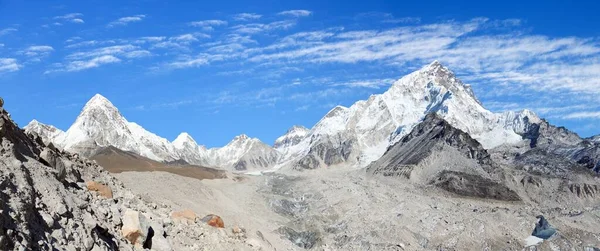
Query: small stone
[[135, 227], [48, 219], [103, 190], [186, 215], [214, 220]]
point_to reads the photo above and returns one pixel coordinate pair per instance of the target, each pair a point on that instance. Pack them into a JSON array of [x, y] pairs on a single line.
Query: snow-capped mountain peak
[[184, 139], [292, 137], [100, 104], [361, 133]]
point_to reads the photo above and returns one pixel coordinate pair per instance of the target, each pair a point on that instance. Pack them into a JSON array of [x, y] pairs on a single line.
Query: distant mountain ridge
[[355, 135], [100, 124]]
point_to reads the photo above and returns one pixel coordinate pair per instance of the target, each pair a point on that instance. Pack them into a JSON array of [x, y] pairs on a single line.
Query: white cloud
[[189, 62], [295, 13], [403, 20], [246, 16], [72, 39], [583, 115], [102, 51], [366, 83], [259, 28], [91, 63], [189, 37], [137, 54], [38, 51], [302, 108], [126, 20], [71, 17], [9, 65], [7, 31], [208, 25]]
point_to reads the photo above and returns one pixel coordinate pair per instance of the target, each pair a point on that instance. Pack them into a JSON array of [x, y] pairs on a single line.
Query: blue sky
[[217, 69]]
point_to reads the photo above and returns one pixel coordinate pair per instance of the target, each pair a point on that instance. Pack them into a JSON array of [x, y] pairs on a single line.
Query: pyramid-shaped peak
[[99, 100], [33, 122], [182, 139]]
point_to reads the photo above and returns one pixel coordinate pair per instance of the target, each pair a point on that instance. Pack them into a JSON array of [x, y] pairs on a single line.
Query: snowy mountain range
[[100, 124], [361, 133], [355, 135]]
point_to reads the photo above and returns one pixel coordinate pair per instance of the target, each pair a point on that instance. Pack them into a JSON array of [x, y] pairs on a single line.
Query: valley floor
[[346, 209]]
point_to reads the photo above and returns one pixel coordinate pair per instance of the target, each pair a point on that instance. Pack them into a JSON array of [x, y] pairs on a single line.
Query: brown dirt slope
[[117, 161]]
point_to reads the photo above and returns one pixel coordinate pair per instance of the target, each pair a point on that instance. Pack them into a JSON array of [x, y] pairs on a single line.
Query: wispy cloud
[[79, 65], [71, 17], [9, 65], [7, 31], [295, 13], [366, 83], [126, 20], [259, 28], [302, 108], [583, 115], [208, 25], [402, 20], [38, 51], [246, 16]]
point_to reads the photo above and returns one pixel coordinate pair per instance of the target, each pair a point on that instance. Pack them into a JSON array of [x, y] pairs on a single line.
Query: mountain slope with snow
[[361, 133], [48, 133], [243, 153], [100, 124]]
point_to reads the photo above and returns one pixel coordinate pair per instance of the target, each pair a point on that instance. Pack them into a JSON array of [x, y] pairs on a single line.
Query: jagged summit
[[297, 128], [48, 133], [292, 137], [241, 137]]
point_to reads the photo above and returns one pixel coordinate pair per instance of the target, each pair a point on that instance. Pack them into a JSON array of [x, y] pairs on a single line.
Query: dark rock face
[[544, 134], [556, 150], [543, 229], [420, 142], [306, 239], [474, 186], [585, 190], [426, 138], [325, 151]]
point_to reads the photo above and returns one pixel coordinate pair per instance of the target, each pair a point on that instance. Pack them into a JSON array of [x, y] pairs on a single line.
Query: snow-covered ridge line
[[359, 134], [355, 135], [100, 124]]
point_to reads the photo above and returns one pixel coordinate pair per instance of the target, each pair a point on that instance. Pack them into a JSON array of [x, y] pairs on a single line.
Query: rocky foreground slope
[[54, 200]]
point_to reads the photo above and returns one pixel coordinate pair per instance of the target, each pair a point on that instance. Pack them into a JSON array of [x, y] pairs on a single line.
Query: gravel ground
[[347, 209]]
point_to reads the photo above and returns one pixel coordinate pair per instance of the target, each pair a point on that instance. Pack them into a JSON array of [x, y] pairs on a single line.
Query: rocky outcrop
[[543, 229], [436, 153], [474, 186], [557, 151], [585, 190]]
